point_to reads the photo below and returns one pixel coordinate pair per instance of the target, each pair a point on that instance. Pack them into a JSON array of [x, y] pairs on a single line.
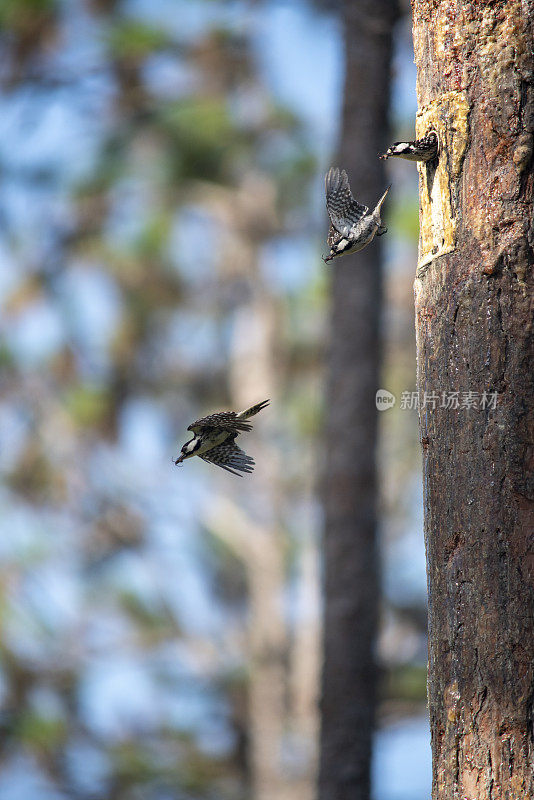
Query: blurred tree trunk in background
[[281, 686], [350, 480], [474, 330]]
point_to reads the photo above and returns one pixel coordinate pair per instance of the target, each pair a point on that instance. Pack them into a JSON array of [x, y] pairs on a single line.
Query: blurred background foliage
[[161, 225]]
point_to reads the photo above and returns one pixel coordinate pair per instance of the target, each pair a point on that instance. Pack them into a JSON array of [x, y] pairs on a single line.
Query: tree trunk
[[350, 485], [473, 295]]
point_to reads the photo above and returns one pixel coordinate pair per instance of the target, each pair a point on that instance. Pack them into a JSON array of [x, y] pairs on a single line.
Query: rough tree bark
[[474, 315], [350, 485]]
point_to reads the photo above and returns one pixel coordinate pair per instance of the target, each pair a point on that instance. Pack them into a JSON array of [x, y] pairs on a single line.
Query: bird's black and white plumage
[[425, 149], [214, 440], [352, 226], [229, 456]]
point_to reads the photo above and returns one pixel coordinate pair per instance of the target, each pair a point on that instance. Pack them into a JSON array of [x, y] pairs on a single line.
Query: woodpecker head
[[399, 149], [340, 248], [425, 149], [189, 449]]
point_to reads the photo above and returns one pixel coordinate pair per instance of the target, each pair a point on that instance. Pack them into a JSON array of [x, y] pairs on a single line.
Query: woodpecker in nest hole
[[425, 149]]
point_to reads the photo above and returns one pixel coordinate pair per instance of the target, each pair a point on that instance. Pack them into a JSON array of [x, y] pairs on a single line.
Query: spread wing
[[225, 421], [230, 457], [344, 211]]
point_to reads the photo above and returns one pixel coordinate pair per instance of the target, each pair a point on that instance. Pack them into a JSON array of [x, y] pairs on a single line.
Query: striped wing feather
[[226, 421], [230, 457], [344, 211]]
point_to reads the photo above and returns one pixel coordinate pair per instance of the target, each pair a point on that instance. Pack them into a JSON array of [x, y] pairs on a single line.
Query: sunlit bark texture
[[473, 295], [350, 553]]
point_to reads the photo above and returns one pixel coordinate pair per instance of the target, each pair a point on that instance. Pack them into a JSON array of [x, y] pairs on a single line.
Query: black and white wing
[[344, 211], [230, 457], [225, 421]]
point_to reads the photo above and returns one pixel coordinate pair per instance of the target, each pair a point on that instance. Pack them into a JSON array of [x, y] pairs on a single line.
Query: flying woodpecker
[[352, 226], [214, 440]]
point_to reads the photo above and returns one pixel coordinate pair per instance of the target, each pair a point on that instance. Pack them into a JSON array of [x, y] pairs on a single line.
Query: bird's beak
[[327, 258], [179, 460]]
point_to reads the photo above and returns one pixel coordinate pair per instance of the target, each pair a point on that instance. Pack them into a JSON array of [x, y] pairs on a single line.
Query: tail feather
[[379, 204], [250, 412]]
